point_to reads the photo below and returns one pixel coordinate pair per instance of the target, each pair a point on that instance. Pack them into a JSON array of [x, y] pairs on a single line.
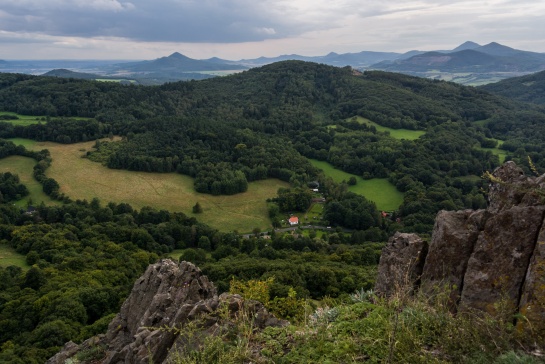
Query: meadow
[[8, 256], [23, 120], [378, 190], [81, 178], [23, 166], [394, 133]]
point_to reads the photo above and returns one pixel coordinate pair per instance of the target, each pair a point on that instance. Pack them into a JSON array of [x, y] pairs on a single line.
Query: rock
[[69, 349], [532, 302], [499, 262], [171, 309], [401, 264], [513, 188], [160, 302], [453, 239]]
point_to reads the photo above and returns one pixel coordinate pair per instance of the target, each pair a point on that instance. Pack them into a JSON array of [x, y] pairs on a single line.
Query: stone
[[401, 264], [499, 262], [453, 239], [532, 302]]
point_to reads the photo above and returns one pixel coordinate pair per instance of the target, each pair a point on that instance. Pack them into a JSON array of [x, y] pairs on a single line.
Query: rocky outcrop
[[486, 257], [150, 326], [453, 240], [401, 264]]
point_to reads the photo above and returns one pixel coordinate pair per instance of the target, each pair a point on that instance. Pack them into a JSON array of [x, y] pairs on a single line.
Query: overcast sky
[[236, 29]]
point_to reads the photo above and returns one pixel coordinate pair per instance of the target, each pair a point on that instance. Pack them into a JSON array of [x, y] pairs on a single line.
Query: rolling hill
[[527, 88]]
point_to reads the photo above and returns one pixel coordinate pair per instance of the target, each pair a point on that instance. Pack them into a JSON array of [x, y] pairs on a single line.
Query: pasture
[[81, 178], [497, 151], [23, 166], [23, 120], [394, 133], [378, 190], [8, 256]]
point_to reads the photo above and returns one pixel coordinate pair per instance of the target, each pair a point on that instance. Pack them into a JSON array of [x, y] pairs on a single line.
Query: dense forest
[[265, 122], [226, 132]]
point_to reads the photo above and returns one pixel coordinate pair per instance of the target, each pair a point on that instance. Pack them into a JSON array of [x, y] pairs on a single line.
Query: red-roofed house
[[294, 220]]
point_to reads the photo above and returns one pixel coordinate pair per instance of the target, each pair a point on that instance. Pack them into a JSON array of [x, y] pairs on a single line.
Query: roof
[[294, 220]]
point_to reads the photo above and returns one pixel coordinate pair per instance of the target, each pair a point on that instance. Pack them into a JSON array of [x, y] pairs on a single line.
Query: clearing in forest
[[378, 190], [394, 133], [81, 178]]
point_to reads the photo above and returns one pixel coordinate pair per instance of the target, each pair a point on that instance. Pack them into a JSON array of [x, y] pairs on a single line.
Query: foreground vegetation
[[364, 328]]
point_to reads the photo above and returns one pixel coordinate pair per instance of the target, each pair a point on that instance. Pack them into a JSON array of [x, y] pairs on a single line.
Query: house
[[294, 220]]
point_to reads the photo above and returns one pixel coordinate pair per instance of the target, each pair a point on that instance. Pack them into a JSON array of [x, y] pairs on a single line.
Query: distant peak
[[177, 55], [466, 45]]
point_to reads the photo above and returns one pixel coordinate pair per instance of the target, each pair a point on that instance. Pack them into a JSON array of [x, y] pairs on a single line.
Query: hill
[[527, 88], [176, 63], [488, 63], [61, 72], [266, 122]]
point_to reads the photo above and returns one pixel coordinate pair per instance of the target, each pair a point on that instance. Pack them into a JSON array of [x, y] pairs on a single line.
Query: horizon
[[240, 59], [244, 29]]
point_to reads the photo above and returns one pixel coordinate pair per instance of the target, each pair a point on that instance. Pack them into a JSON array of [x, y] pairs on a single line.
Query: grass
[[23, 166], [23, 119], [27, 143], [8, 256], [497, 151], [378, 190], [81, 178], [394, 133]]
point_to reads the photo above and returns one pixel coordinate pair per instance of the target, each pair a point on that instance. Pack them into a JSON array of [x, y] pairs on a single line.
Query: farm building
[[294, 220]]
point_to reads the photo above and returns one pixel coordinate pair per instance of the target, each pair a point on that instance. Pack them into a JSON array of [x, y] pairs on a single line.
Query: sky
[[239, 29]]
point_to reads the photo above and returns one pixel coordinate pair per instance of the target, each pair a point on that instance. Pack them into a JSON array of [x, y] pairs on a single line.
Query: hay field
[[378, 190], [23, 166], [81, 178]]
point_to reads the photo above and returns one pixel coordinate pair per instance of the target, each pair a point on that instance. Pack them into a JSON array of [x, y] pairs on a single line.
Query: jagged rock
[[153, 321], [499, 262], [160, 300], [401, 264], [69, 350], [513, 189], [532, 303], [453, 239]]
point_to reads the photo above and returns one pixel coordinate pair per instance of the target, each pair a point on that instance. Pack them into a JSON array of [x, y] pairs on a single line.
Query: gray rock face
[[488, 259], [499, 262], [400, 264], [150, 325], [453, 239], [532, 302]]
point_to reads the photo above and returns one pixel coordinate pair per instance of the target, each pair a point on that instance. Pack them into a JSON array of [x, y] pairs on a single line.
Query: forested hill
[[527, 88], [266, 122]]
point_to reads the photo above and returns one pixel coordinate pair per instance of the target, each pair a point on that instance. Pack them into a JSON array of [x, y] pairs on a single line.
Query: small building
[[294, 220]]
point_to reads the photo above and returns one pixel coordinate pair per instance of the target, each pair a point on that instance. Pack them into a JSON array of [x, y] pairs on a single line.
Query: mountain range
[[469, 63]]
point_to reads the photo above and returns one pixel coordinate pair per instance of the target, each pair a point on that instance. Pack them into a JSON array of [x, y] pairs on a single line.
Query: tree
[[197, 209]]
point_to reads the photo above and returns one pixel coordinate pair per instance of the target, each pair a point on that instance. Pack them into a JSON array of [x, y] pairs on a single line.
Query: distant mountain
[[466, 45], [527, 88], [493, 59], [61, 72], [177, 63]]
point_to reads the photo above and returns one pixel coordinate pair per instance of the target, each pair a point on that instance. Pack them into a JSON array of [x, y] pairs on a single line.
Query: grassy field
[[80, 178], [23, 166], [394, 133], [8, 256], [27, 143], [378, 190], [497, 151], [23, 119]]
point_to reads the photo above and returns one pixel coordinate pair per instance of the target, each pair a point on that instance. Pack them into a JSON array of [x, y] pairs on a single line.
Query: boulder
[[532, 302], [500, 260], [453, 239], [401, 264]]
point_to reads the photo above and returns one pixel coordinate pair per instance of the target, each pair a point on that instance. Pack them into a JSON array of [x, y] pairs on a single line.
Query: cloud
[[164, 20]]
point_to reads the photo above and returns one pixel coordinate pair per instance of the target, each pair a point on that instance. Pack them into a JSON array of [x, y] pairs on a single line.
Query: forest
[[83, 256]]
